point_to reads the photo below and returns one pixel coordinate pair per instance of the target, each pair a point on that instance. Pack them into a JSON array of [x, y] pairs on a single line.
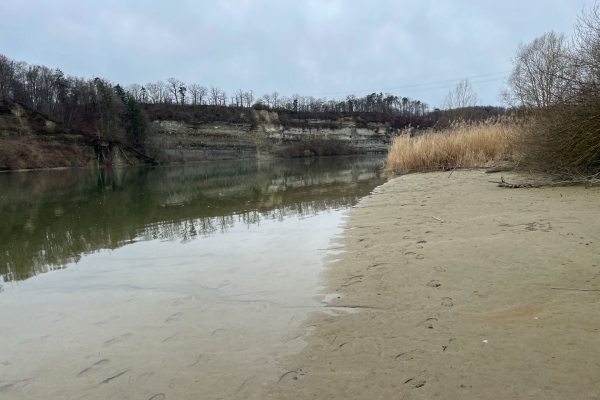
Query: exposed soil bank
[[459, 309]]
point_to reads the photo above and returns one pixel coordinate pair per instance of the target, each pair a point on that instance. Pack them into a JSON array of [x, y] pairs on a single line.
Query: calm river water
[[179, 282]]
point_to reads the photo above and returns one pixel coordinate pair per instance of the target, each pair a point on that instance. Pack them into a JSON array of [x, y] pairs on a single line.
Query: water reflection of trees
[[189, 229], [53, 219]]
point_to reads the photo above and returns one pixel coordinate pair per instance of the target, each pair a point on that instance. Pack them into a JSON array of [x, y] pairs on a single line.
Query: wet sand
[[454, 278]]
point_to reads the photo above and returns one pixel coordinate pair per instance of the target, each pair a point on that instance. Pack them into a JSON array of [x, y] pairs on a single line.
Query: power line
[[414, 86], [449, 86], [478, 67]]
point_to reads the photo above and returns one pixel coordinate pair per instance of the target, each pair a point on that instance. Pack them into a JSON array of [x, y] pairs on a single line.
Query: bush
[[563, 140]]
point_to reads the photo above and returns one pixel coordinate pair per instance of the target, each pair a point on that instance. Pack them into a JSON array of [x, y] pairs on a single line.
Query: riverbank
[[32, 140], [457, 286]]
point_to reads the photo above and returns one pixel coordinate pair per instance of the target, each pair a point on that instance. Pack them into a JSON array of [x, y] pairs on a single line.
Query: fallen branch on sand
[[505, 184], [570, 180], [581, 290], [453, 169]]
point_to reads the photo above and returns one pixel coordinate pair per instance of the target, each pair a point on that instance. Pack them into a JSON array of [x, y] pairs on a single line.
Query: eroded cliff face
[[181, 141], [187, 141], [29, 140]]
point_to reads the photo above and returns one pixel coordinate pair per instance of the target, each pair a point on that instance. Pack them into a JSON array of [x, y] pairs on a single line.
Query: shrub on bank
[[563, 140], [555, 83]]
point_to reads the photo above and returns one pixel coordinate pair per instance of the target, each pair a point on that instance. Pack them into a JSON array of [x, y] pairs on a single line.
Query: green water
[[50, 219], [180, 282]]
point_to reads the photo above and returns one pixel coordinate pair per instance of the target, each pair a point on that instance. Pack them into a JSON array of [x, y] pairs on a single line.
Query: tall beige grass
[[462, 145]]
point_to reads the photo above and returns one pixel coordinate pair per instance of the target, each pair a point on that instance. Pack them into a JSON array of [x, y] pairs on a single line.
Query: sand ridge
[[453, 277]]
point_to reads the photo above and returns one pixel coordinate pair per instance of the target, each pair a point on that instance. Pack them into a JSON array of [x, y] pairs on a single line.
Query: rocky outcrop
[[188, 141]]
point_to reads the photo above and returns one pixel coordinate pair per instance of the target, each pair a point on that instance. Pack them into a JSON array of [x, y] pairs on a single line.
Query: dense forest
[[103, 110]]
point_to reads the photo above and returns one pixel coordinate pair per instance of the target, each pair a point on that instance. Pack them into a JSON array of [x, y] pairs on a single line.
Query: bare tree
[[238, 98], [461, 96], [215, 95], [6, 75], [174, 85], [249, 98], [275, 97], [586, 44], [152, 91], [197, 92], [157, 92], [540, 74], [135, 90]]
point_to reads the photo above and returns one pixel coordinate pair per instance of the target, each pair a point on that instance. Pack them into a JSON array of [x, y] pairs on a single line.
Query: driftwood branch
[[453, 169], [504, 184]]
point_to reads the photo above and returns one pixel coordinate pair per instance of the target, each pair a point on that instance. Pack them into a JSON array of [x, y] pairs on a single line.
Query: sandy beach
[[456, 282]]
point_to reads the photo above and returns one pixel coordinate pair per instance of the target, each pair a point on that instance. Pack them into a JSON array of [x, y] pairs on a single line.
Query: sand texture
[[454, 281]]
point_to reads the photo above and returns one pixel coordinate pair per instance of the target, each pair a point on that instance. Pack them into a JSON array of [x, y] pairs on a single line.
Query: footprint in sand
[[428, 323], [96, 366], [117, 340], [439, 269], [288, 378], [224, 284], [202, 359], [434, 284], [175, 336], [145, 376], [451, 342], [409, 355], [415, 383], [6, 388], [218, 332], [173, 318], [447, 302]]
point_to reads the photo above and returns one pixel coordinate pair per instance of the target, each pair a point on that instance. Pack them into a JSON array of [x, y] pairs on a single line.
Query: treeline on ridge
[[106, 111]]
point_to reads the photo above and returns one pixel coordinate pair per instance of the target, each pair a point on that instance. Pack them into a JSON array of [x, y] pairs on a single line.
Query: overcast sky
[[323, 48]]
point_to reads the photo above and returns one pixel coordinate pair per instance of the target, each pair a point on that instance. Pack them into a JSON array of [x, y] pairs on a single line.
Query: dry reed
[[462, 145]]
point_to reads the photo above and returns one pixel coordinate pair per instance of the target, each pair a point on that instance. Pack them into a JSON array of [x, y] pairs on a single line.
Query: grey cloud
[[309, 47]]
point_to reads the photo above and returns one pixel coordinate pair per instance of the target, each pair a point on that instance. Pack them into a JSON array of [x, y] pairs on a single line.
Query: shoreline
[[454, 281], [173, 163]]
